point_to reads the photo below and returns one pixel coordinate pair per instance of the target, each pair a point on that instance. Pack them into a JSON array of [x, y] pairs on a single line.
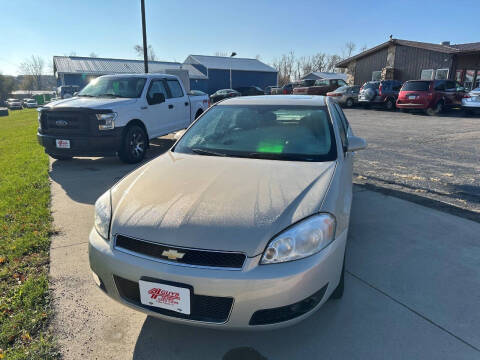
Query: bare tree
[[33, 68], [150, 52], [363, 48], [93, 55], [285, 66], [348, 50]]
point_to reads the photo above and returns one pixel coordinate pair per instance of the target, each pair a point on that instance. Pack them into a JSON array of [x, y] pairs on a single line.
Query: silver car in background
[[242, 224], [345, 95], [471, 101]]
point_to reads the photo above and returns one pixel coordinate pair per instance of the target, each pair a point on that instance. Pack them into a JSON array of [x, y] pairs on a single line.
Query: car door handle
[[170, 106], [186, 103]]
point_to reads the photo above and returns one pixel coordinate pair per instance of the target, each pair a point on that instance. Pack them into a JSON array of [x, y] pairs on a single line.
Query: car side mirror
[[356, 143], [157, 98], [179, 134], [461, 88], [75, 93]]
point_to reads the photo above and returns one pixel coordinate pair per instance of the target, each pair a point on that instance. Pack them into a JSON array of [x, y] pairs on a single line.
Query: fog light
[[96, 279]]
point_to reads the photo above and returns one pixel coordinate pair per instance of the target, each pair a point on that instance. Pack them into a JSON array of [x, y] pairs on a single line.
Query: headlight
[[106, 121], [103, 215], [39, 112], [303, 239]]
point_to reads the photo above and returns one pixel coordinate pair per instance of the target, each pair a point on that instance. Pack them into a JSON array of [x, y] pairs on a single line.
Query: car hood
[[92, 103], [216, 203]]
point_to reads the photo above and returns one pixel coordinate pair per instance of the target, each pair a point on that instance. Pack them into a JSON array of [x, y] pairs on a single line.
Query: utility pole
[[231, 56], [144, 28]]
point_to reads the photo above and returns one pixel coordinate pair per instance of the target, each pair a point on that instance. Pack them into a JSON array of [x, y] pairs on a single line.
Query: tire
[[437, 109], [349, 103], [338, 292], [468, 112], [134, 145], [60, 157], [390, 104]]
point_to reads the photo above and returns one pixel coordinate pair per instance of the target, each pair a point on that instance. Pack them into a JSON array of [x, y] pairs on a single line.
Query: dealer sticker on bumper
[[165, 296], [63, 144]]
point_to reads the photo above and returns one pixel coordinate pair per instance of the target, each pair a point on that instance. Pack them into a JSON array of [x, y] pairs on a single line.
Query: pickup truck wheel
[[437, 109], [390, 104], [349, 102], [134, 145]]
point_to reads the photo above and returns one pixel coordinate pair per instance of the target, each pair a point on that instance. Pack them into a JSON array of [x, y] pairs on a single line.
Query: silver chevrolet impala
[[241, 224]]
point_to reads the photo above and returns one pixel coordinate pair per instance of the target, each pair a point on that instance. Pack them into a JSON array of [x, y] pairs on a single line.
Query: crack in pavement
[[412, 310]]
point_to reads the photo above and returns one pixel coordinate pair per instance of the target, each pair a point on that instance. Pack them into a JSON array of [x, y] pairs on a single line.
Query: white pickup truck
[[117, 115]]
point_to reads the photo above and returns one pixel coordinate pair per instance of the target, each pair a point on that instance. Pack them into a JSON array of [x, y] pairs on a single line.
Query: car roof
[[291, 100]]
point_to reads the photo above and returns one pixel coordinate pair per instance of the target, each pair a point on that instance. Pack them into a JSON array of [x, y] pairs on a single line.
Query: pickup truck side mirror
[[157, 98], [356, 143]]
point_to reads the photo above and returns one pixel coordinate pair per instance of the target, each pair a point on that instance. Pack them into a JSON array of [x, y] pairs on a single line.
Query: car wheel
[[437, 109], [390, 104], [338, 292], [468, 112], [349, 102], [134, 145], [60, 157]]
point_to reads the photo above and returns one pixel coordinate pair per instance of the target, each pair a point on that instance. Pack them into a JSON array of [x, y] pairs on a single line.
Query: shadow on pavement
[[85, 179]]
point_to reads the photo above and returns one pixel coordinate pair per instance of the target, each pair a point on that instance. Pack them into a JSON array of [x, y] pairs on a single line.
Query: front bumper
[[255, 287], [106, 145]]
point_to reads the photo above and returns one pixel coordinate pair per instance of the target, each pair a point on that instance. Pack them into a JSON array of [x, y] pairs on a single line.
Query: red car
[[433, 96]]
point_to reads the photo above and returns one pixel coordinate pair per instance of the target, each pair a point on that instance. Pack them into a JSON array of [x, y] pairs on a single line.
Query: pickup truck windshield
[[277, 132], [127, 87]]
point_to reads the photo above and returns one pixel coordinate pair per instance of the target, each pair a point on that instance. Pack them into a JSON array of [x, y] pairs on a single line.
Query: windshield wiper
[[207, 152]]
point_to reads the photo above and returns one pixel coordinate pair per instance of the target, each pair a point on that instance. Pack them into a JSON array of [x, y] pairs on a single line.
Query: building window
[[441, 74], [427, 74], [469, 77], [459, 76], [376, 75]]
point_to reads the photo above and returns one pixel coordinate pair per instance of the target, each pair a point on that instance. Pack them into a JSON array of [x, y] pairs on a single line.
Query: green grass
[[25, 228]]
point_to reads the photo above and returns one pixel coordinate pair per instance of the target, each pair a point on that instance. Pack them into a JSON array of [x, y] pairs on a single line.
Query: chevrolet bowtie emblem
[[172, 254]]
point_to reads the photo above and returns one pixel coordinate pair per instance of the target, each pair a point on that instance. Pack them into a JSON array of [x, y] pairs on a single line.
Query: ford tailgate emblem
[[61, 123]]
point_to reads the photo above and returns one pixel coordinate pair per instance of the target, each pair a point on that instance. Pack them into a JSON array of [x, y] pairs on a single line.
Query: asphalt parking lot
[[434, 159], [412, 285]]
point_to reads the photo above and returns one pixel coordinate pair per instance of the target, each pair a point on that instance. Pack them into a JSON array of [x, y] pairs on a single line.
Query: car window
[[439, 85], [450, 85], [341, 83], [157, 86], [416, 86], [322, 83], [396, 86], [128, 87], [278, 132], [342, 126], [175, 88]]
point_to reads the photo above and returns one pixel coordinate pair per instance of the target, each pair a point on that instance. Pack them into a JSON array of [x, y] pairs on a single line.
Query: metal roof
[[448, 49], [105, 66], [227, 63], [326, 75]]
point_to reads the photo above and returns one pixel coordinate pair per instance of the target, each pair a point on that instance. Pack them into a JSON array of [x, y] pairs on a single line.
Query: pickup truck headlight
[[303, 239], [39, 113], [106, 121], [103, 215]]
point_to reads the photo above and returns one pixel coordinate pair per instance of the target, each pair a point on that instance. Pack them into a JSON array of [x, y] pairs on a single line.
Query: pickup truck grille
[[66, 122]]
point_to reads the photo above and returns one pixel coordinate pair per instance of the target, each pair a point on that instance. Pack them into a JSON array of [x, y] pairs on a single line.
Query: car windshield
[[278, 132], [416, 86], [125, 87]]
